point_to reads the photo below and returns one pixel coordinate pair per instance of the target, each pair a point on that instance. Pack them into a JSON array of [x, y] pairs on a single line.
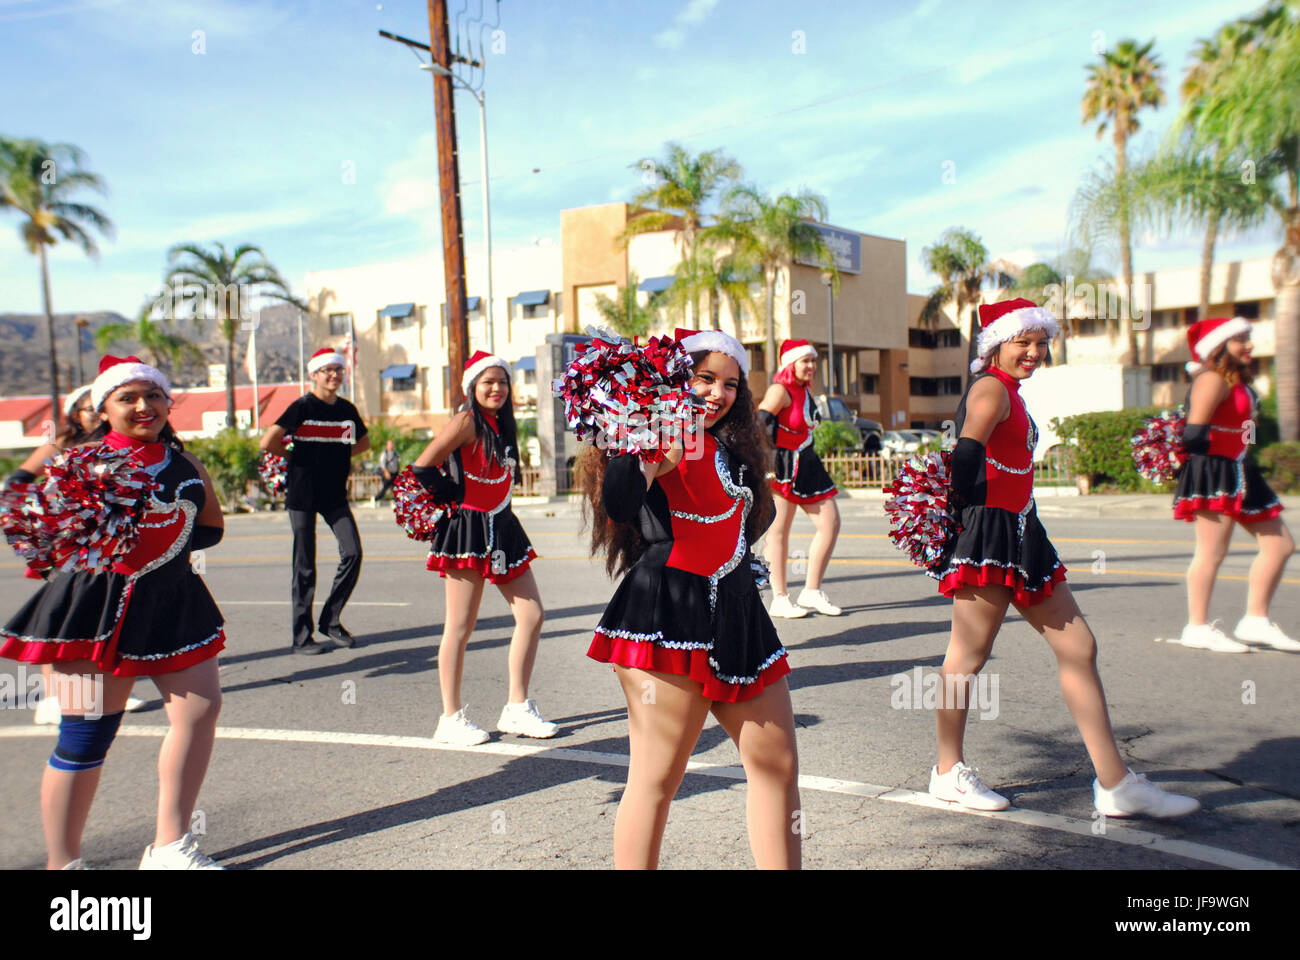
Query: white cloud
[[692, 15]]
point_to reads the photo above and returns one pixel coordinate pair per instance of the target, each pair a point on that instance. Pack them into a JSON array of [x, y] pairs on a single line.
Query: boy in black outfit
[[327, 432]]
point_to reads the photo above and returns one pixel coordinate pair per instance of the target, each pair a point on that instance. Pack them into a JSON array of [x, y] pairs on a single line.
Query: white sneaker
[[782, 607], [523, 719], [133, 704], [962, 785], [48, 711], [816, 600], [1136, 795], [1209, 637], [182, 854], [460, 730], [1260, 630], [77, 864]]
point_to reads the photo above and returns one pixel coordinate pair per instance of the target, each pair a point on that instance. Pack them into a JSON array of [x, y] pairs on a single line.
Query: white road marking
[[285, 603], [1115, 832]]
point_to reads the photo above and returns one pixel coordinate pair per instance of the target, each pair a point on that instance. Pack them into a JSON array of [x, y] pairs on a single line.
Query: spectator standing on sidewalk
[[389, 464]]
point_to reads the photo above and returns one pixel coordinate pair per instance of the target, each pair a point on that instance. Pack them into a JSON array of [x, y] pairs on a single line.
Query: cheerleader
[[481, 540], [1219, 486], [686, 629], [789, 416], [1001, 557], [79, 421], [149, 616]]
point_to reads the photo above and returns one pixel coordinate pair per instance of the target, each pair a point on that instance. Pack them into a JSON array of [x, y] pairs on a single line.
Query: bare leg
[[826, 518], [977, 614], [665, 715], [777, 548], [526, 606], [464, 592], [192, 700], [1062, 625], [763, 730], [1213, 533], [1275, 548], [66, 795]]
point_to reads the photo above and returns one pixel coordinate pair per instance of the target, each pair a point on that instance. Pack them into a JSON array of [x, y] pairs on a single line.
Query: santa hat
[[115, 371], [1206, 336], [477, 364], [713, 341], [325, 357], [792, 350], [74, 398], [1000, 322]]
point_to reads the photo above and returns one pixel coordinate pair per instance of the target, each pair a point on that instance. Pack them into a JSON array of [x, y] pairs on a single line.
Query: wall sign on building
[[846, 248]]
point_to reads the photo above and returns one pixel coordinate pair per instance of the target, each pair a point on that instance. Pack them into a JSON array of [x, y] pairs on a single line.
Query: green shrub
[[231, 460], [832, 436], [1267, 431], [1103, 452], [408, 443], [1280, 465]]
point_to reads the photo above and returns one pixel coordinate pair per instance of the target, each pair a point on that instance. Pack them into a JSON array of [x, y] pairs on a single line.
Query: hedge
[[1280, 465], [231, 461]]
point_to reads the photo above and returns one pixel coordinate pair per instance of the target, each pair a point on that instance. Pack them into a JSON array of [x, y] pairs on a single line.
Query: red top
[[167, 520], [1009, 455], [708, 523], [796, 420], [487, 482], [1227, 426]]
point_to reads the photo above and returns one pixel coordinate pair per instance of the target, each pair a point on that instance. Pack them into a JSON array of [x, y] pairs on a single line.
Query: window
[[1189, 316], [921, 339], [922, 386], [340, 324], [1166, 373], [1248, 310], [949, 338], [949, 386], [402, 384], [446, 388], [1087, 327], [867, 382], [530, 377]]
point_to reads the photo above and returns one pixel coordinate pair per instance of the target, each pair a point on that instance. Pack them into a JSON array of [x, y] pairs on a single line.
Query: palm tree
[[624, 311], [154, 335], [228, 281], [716, 276], [1125, 80], [1250, 106], [681, 188], [960, 260], [37, 179], [769, 234]]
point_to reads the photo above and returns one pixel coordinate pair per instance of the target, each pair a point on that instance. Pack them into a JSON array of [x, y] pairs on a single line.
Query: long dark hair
[[70, 433], [505, 440], [622, 543], [1225, 365]]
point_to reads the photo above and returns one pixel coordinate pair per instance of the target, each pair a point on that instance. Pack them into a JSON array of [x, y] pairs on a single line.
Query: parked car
[[901, 443], [870, 433]]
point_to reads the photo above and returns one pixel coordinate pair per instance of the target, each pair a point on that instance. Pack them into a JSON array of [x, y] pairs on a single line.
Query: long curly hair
[[1232, 371], [622, 543]]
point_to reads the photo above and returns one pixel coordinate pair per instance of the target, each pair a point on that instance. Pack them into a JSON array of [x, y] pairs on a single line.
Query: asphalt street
[[327, 762]]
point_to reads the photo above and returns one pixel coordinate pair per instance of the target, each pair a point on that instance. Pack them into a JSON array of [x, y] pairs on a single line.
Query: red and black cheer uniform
[[690, 605], [151, 613], [482, 533], [1218, 475], [1000, 541], [800, 476]]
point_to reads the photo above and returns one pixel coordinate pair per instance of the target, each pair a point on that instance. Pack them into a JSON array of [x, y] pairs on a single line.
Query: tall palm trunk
[[1286, 324], [49, 327], [1207, 265], [230, 381], [770, 282]]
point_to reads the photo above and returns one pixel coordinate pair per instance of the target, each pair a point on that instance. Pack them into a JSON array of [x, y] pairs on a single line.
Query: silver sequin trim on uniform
[[173, 653], [657, 638], [1005, 469], [745, 681], [504, 476], [701, 518], [744, 493]]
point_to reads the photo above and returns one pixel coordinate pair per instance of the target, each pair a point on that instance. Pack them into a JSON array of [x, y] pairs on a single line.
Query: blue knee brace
[[84, 743]]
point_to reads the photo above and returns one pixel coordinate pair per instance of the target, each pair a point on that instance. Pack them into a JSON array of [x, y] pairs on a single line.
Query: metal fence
[[855, 471]]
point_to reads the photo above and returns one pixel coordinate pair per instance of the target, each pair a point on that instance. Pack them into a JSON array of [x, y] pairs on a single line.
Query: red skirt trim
[[786, 492], [102, 653], [646, 655], [480, 565], [991, 575], [1187, 509]]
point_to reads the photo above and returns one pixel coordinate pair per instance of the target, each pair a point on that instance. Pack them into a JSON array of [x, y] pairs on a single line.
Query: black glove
[[770, 424], [624, 488], [1196, 438], [20, 476], [967, 468], [443, 488], [205, 536]]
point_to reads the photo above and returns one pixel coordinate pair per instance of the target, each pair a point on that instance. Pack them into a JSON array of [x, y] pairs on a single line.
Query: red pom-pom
[[1157, 447], [274, 469], [629, 399], [414, 507], [86, 513], [920, 521]]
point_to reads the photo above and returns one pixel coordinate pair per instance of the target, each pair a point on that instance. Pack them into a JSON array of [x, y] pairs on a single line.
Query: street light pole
[[830, 333]]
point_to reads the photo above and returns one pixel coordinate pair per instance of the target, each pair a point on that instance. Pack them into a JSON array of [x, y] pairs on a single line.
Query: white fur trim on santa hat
[[1219, 336], [121, 373], [74, 398], [796, 353], [474, 369], [322, 360], [1008, 326], [715, 341]]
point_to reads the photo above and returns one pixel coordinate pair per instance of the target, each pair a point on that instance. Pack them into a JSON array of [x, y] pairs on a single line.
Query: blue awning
[[533, 298], [471, 303], [398, 310], [656, 284], [398, 371], [525, 363]]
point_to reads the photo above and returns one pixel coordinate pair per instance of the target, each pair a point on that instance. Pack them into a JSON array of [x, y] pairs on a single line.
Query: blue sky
[[255, 138]]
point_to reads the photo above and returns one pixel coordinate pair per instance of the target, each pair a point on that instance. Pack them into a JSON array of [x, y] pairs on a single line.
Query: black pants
[[388, 485], [303, 524]]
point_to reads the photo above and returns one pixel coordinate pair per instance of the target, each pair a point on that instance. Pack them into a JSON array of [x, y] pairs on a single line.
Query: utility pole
[[453, 240]]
